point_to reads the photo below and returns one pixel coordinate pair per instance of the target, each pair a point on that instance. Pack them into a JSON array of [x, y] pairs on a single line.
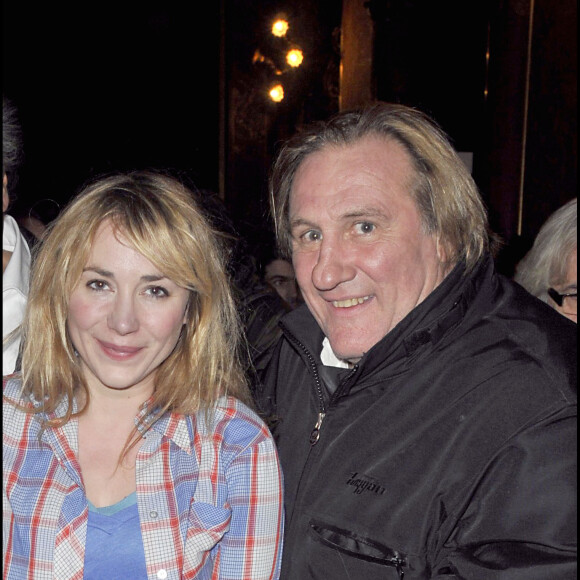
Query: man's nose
[[123, 317], [333, 266]]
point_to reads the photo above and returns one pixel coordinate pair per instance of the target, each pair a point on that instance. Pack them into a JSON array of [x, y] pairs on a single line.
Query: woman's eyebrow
[[99, 271], [108, 274], [153, 277]]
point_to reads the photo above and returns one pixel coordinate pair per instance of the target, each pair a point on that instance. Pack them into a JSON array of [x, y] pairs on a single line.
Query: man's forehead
[[370, 166]]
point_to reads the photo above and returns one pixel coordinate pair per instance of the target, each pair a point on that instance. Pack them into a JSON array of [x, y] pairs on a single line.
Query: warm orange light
[[280, 27], [277, 93], [294, 57]]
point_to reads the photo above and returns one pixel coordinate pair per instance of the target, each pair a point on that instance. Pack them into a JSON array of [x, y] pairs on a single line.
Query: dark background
[[174, 85], [112, 85]]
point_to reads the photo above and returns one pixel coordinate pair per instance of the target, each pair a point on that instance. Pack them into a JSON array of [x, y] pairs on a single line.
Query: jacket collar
[[425, 325]]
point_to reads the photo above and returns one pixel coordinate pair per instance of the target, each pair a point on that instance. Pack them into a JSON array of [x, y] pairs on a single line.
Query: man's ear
[[441, 251], [5, 198]]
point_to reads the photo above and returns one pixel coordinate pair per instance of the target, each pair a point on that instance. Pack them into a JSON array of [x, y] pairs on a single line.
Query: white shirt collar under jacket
[[14, 289], [328, 357]]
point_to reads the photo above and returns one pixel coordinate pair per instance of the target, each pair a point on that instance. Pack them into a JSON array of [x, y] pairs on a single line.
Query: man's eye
[[365, 227], [312, 236]]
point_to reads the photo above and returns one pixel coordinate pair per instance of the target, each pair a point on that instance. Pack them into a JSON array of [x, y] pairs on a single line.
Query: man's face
[[361, 256]]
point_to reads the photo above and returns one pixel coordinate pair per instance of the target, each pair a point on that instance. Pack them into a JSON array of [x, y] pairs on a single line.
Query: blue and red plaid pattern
[[210, 497]]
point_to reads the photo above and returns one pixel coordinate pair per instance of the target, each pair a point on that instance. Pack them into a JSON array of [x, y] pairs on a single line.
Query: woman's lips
[[118, 352]]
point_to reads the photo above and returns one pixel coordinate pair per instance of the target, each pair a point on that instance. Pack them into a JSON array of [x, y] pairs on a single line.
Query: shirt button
[[154, 515], [162, 574]]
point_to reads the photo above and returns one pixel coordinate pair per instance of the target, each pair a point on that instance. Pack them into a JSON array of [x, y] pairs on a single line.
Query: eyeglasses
[[568, 300]]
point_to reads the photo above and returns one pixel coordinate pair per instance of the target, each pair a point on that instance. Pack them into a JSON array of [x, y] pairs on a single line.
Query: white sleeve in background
[[14, 289]]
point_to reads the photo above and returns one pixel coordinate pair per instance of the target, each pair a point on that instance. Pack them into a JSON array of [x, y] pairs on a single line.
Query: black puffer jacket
[[448, 452]]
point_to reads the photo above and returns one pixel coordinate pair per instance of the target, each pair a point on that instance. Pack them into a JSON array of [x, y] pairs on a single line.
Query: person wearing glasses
[[424, 404], [549, 270]]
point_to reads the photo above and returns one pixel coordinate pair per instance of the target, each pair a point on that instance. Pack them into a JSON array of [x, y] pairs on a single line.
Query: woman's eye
[[97, 285], [365, 227], [157, 292]]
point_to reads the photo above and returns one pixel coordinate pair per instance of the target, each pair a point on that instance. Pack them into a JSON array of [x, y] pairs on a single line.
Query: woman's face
[[125, 317]]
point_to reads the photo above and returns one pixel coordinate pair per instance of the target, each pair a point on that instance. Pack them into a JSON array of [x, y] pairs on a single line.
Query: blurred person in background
[[34, 219], [549, 270], [279, 275], [15, 250], [259, 307]]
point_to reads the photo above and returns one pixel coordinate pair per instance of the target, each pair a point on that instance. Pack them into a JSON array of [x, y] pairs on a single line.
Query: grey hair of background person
[[443, 189], [546, 262], [11, 138]]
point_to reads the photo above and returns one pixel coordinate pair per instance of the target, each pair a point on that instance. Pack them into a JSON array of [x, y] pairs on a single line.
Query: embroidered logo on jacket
[[364, 483]]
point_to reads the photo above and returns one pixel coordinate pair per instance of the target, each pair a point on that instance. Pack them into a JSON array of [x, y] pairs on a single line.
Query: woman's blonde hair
[[159, 217]]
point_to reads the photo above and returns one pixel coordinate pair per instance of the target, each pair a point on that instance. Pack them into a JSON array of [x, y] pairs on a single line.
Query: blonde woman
[[130, 448]]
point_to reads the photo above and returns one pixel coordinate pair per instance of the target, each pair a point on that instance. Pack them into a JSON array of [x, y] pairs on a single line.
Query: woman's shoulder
[[236, 423], [17, 409], [12, 389]]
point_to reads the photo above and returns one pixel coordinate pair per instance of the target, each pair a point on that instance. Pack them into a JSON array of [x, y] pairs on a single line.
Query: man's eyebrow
[[108, 274], [299, 222], [357, 212], [364, 212]]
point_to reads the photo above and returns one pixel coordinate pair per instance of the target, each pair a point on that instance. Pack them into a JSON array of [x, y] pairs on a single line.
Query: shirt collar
[[328, 357], [173, 426]]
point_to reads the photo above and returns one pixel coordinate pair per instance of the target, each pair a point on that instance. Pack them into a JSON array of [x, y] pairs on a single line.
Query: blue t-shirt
[[114, 547]]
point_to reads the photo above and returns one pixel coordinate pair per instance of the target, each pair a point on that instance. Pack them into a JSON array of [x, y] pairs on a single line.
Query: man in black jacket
[[424, 406]]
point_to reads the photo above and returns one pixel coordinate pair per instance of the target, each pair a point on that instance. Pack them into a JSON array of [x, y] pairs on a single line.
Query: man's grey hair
[[444, 191], [546, 263]]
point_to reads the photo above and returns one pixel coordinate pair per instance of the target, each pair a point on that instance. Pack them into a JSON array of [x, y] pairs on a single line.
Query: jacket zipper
[[315, 433], [398, 564]]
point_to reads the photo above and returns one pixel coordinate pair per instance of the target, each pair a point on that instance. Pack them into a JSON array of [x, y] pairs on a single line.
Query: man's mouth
[[350, 302]]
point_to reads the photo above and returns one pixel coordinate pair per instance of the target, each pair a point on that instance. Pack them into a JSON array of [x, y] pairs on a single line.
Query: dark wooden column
[[357, 44], [531, 118]]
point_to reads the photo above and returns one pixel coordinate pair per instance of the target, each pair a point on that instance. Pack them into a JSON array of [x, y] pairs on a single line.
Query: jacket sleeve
[[265, 389], [520, 521]]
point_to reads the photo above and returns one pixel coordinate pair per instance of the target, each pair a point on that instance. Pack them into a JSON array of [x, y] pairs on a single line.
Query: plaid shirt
[[209, 500]]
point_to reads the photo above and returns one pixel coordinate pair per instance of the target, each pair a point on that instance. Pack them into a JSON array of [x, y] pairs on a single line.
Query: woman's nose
[[123, 317]]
